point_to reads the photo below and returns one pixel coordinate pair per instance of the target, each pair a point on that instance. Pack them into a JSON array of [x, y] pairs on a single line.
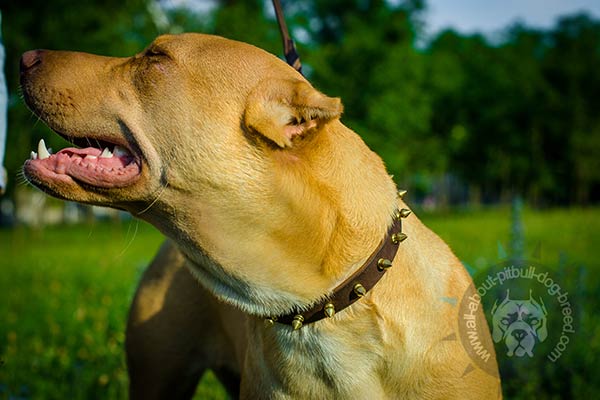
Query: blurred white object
[[3, 106]]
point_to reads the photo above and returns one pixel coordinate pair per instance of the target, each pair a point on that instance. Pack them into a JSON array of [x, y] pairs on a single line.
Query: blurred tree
[[512, 115], [472, 111], [572, 119], [248, 22], [518, 116], [363, 52]]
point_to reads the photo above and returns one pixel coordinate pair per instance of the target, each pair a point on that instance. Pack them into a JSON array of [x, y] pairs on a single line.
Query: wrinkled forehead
[[214, 54]]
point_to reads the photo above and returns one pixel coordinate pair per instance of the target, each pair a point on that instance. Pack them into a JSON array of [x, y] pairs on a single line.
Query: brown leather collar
[[357, 285]]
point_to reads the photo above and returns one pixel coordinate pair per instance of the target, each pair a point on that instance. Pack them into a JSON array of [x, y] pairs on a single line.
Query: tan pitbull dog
[[268, 202]]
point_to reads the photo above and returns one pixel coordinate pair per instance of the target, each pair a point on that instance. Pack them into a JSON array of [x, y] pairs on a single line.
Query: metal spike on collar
[[398, 237], [355, 286], [297, 322], [329, 310], [383, 264], [359, 290], [403, 213]]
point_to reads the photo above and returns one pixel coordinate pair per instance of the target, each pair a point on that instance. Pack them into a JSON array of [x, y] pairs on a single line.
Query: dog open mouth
[[106, 166]]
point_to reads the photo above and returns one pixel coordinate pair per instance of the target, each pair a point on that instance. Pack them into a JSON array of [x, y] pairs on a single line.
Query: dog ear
[[282, 110]]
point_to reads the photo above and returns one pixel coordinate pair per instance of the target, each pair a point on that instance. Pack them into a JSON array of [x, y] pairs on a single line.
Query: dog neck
[[299, 226], [354, 287]]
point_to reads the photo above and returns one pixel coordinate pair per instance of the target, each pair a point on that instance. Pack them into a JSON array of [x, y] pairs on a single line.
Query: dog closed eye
[[156, 51]]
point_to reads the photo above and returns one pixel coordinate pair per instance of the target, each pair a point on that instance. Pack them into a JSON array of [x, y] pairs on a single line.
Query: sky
[[468, 16], [489, 16]]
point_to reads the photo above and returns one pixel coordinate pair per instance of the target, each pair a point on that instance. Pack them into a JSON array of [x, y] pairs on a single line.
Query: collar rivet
[[329, 310], [350, 290], [383, 264], [398, 237], [359, 290], [297, 322]]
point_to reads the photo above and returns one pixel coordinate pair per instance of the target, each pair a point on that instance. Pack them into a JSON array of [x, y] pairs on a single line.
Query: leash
[[289, 48]]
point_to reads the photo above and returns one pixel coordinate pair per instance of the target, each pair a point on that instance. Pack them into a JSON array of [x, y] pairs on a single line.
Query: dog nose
[[30, 59], [519, 334]]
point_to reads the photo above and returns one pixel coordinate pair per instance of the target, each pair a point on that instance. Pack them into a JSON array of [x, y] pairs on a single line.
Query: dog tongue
[[89, 165]]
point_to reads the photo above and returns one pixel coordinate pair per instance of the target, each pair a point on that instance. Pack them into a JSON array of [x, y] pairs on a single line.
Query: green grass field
[[65, 291], [572, 235]]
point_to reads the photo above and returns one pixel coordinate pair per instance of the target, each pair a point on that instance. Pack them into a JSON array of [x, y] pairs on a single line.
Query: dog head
[[202, 97], [223, 147], [520, 324]]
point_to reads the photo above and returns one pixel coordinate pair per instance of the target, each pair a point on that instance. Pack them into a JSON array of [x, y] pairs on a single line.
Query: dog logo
[[520, 324]]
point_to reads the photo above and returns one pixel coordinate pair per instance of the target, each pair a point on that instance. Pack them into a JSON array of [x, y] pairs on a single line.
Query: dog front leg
[[173, 335]]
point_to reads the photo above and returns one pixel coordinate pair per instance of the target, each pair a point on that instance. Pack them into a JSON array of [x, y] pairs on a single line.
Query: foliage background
[[458, 118], [465, 122]]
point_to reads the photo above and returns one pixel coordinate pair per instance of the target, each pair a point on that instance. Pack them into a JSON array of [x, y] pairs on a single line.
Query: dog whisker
[[21, 180], [160, 192], [137, 223], [75, 107]]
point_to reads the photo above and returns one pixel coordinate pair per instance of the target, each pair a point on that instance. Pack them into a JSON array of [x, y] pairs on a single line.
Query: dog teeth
[[120, 151], [42, 150], [106, 153]]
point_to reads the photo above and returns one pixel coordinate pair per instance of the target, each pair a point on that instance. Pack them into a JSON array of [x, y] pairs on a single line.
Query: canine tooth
[[120, 151], [33, 155], [106, 153], [42, 150]]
